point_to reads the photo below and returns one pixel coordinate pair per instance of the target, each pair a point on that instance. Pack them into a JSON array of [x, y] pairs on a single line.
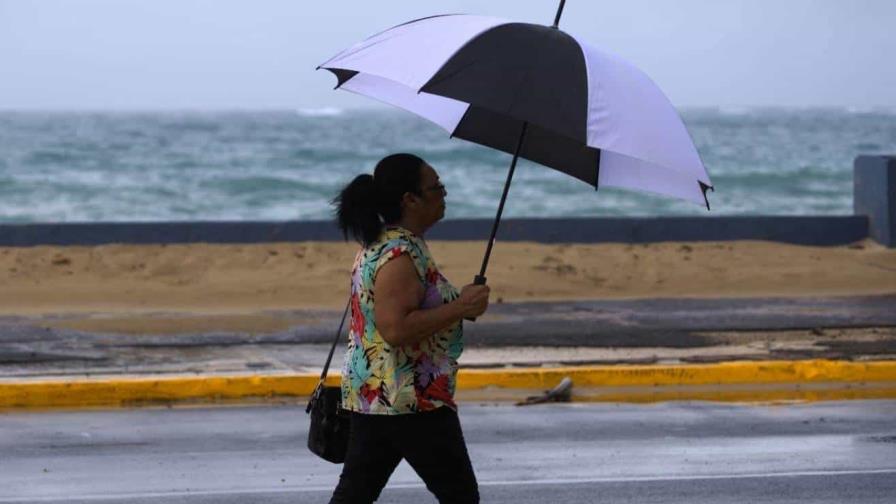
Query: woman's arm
[[399, 318]]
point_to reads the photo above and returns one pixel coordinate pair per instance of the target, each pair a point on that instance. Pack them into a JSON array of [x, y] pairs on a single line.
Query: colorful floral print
[[378, 378]]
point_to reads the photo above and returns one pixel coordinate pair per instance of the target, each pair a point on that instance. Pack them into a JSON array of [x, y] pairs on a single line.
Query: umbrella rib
[[445, 77], [360, 46], [466, 112]]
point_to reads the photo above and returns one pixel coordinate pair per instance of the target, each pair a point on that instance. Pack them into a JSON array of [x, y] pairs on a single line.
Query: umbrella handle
[[477, 280]]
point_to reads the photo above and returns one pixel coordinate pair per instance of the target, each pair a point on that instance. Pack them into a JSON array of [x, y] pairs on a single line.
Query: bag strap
[[323, 374]]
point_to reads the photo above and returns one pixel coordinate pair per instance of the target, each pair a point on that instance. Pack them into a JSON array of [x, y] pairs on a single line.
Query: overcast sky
[[261, 54]]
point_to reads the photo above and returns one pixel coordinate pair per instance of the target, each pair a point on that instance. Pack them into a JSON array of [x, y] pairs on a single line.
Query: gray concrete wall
[[833, 230], [874, 208], [874, 195]]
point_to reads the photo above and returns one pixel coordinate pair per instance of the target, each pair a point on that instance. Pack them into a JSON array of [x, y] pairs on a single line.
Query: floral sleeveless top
[[378, 378]]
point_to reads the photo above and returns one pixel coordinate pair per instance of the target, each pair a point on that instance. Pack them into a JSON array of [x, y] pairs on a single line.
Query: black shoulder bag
[[328, 432]]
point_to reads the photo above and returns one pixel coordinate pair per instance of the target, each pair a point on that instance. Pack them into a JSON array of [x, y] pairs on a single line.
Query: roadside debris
[[560, 393]]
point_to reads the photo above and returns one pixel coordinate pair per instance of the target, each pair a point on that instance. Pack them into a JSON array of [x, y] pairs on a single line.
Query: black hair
[[369, 202]]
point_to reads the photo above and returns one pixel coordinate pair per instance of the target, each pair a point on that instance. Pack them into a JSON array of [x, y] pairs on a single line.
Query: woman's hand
[[473, 300]]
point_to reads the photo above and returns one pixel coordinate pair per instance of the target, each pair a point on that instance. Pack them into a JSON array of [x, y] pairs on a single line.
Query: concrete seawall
[[874, 208], [834, 230]]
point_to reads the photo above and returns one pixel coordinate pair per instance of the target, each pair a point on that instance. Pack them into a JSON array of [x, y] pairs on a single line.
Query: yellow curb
[[769, 380], [683, 374], [126, 390], [778, 393]]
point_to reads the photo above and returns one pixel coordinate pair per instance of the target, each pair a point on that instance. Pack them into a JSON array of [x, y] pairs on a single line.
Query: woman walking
[[406, 335]]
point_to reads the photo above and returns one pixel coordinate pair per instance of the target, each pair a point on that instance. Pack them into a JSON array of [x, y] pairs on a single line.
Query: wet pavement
[[683, 452], [519, 334]]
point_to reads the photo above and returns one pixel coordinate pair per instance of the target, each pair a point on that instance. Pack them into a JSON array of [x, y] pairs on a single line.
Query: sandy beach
[[201, 287]]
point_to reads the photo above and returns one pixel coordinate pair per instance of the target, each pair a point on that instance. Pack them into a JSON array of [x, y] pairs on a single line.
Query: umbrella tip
[[704, 187], [559, 13]]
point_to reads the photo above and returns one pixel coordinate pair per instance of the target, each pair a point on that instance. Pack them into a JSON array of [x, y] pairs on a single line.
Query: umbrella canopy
[[584, 112]]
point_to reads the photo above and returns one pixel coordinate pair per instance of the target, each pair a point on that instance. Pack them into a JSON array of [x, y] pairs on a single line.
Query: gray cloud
[[205, 54]]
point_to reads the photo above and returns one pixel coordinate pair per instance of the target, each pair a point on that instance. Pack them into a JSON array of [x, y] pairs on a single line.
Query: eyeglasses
[[439, 187]]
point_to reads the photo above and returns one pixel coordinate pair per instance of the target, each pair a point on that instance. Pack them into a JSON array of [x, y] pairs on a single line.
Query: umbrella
[[533, 91]]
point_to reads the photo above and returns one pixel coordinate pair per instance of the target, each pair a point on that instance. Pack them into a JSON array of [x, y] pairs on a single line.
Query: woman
[[406, 336]]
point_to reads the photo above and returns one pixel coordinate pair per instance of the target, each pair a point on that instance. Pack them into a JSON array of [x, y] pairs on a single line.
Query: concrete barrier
[[874, 195], [874, 208], [832, 230]]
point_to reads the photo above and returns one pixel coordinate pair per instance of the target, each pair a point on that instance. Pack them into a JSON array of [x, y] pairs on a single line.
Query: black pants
[[431, 442]]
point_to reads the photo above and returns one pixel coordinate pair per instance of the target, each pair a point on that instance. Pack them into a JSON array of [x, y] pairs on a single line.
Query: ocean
[[288, 165]]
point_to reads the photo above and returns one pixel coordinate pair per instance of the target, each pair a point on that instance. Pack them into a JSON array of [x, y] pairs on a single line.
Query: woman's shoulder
[[392, 243], [388, 243], [395, 238]]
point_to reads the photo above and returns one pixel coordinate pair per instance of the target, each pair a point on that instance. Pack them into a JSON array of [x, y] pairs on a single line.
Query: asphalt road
[[673, 452]]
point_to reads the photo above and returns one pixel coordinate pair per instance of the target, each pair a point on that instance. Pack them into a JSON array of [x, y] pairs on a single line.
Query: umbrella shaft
[[491, 241]]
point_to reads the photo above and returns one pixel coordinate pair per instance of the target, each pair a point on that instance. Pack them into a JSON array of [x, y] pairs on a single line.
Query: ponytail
[[356, 212], [369, 202]]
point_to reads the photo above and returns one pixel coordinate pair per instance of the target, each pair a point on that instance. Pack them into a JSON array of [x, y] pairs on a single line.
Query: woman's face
[[432, 195]]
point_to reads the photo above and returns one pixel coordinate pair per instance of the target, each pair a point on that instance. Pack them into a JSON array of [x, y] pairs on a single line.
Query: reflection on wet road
[[672, 452]]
